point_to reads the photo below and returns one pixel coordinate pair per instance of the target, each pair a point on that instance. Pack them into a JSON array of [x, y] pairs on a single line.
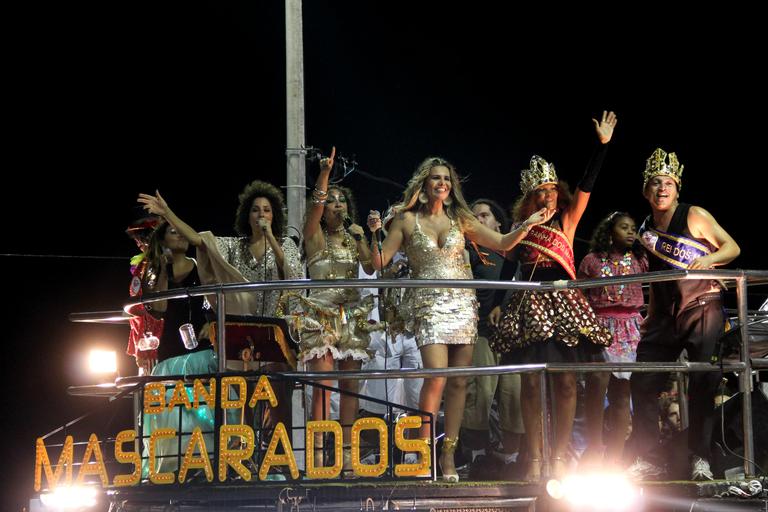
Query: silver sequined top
[[236, 252]]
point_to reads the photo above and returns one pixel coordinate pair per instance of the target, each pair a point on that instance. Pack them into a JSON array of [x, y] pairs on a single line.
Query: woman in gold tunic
[[336, 327], [430, 225]]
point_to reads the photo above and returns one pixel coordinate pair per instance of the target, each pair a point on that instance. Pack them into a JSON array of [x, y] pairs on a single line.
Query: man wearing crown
[[684, 314]]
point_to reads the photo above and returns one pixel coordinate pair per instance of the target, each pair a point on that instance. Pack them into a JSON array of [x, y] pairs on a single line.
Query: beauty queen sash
[[552, 242], [674, 250]]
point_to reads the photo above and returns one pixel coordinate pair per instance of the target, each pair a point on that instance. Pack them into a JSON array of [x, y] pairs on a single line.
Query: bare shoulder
[[700, 219], [697, 212], [404, 221]]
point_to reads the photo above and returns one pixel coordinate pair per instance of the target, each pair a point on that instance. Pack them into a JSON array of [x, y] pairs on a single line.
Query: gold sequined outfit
[[440, 315], [336, 319]]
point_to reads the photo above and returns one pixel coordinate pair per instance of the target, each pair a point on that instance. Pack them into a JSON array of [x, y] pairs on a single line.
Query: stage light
[[69, 498], [102, 361], [598, 491]]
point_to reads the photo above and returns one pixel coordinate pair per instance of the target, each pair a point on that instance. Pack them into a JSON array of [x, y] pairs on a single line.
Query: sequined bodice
[[335, 263], [429, 261]]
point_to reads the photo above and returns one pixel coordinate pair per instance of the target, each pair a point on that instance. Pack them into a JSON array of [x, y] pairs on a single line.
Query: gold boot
[[447, 464]]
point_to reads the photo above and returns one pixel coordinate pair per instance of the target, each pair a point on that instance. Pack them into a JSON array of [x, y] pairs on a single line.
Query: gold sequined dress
[[336, 319], [440, 315]]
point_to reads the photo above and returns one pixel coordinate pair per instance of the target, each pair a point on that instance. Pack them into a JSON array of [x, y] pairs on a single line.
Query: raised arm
[[313, 234], [156, 205], [572, 215], [486, 237], [703, 225]]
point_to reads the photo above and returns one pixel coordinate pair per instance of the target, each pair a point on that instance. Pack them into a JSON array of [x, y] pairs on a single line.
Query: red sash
[[552, 242]]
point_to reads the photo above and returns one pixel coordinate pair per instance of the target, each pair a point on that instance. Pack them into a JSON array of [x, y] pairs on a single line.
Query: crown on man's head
[[540, 173], [661, 163]]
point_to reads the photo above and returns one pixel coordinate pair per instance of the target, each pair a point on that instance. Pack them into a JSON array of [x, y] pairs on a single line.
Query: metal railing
[[743, 367]]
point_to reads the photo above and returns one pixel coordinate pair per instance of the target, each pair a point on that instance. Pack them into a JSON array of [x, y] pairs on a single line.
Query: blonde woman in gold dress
[[429, 225]]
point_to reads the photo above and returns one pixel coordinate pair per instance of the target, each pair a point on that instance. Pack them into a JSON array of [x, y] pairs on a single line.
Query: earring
[[423, 199]]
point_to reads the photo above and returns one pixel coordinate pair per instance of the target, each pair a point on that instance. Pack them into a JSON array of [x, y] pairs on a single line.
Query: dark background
[[105, 100]]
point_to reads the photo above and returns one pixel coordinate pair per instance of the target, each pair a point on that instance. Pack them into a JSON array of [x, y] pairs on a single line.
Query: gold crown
[[540, 173], [662, 164]]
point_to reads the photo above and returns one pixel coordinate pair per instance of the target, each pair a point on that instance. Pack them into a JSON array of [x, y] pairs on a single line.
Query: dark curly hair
[[526, 205], [601, 237], [496, 210], [254, 189]]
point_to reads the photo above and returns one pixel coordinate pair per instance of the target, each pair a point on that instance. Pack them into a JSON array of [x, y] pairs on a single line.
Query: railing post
[[545, 452], [745, 377], [221, 317]]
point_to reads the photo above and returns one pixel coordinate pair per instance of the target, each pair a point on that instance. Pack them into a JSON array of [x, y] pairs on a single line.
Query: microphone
[[377, 233], [347, 220], [263, 224]]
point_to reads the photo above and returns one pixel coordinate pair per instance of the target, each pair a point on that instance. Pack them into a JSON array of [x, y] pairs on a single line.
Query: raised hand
[[326, 164], [604, 128], [154, 204], [540, 217], [374, 221]]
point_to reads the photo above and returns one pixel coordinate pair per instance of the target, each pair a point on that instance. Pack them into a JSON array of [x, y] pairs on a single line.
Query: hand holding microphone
[[374, 224], [264, 225], [354, 230]]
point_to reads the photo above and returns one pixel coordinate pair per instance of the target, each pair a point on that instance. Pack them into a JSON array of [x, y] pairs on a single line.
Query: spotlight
[[102, 361], [604, 491], [69, 498]]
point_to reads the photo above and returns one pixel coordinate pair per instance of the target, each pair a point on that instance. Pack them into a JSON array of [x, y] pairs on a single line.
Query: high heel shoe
[[447, 463], [534, 470]]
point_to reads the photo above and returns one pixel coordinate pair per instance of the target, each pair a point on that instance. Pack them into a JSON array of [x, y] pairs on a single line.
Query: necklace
[[610, 268], [330, 252]]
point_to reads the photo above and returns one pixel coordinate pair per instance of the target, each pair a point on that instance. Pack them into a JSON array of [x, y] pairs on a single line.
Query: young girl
[[613, 252]]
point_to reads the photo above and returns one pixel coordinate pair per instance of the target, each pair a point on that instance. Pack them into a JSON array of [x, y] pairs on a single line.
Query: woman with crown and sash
[[554, 326], [684, 314], [430, 225]]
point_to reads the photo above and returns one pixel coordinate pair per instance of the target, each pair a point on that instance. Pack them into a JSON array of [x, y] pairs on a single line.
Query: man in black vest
[[684, 314]]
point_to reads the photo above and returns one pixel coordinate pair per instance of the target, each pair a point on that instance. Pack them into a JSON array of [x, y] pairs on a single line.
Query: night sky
[[105, 100]]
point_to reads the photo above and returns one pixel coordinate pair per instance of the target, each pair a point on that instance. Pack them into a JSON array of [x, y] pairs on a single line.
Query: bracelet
[[526, 227], [318, 201], [365, 262], [321, 193]]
